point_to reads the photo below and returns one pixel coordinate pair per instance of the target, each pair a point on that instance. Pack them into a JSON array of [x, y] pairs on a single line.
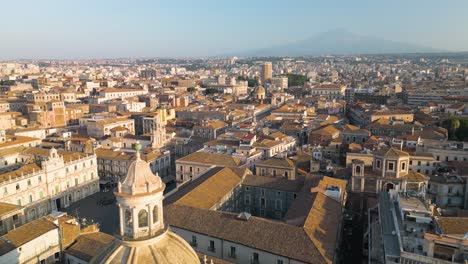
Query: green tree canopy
[[296, 79], [457, 128], [211, 91], [191, 89]]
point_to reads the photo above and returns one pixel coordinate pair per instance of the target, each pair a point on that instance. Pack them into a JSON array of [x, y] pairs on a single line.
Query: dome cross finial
[[138, 149]]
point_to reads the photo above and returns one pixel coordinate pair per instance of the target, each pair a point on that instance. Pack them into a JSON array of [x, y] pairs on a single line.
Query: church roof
[[393, 153], [213, 189], [457, 226], [413, 176], [277, 162], [89, 245], [6, 208], [227, 226], [211, 158], [281, 184], [164, 248]]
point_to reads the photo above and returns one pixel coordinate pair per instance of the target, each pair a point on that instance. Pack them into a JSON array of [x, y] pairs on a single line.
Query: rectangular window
[[194, 241], [390, 166], [278, 204], [255, 257], [403, 166], [378, 164], [247, 200], [232, 253], [262, 202], [212, 246], [419, 163]]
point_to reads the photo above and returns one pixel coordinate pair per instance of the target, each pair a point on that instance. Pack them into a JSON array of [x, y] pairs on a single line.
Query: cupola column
[[122, 220], [150, 219], [135, 222]]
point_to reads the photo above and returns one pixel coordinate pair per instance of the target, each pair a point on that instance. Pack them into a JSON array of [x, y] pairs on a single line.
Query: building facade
[[54, 181]]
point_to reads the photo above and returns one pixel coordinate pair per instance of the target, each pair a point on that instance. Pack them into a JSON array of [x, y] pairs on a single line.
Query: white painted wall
[[38, 246]]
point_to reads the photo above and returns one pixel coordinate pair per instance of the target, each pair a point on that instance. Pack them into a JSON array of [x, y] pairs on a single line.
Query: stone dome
[[260, 90], [164, 248], [140, 179]]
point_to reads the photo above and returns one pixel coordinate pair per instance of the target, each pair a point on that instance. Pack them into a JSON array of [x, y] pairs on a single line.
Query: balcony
[[211, 249]]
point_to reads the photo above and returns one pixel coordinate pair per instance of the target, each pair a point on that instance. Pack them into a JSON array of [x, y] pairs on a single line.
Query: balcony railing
[[211, 249]]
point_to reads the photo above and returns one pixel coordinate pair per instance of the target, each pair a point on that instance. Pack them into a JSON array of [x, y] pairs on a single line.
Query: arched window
[[155, 214], [128, 218], [142, 218], [358, 169]]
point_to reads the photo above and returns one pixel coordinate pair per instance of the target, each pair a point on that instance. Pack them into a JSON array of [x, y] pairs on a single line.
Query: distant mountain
[[340, 41]]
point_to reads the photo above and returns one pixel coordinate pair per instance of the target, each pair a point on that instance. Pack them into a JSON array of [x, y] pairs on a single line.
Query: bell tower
[[158, 134], [358, 168], [139, 198]]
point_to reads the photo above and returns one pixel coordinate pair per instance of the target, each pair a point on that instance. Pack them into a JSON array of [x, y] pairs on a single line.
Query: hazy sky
[[137, 28]]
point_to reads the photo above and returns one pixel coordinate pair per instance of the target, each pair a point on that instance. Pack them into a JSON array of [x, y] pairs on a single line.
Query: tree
[[191, 89], [296, 80], [462, 131], [457, 128], [251, 82], [211, 91]]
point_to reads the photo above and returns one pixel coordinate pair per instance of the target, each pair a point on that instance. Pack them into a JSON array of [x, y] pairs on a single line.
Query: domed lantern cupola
[[139, 198]]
